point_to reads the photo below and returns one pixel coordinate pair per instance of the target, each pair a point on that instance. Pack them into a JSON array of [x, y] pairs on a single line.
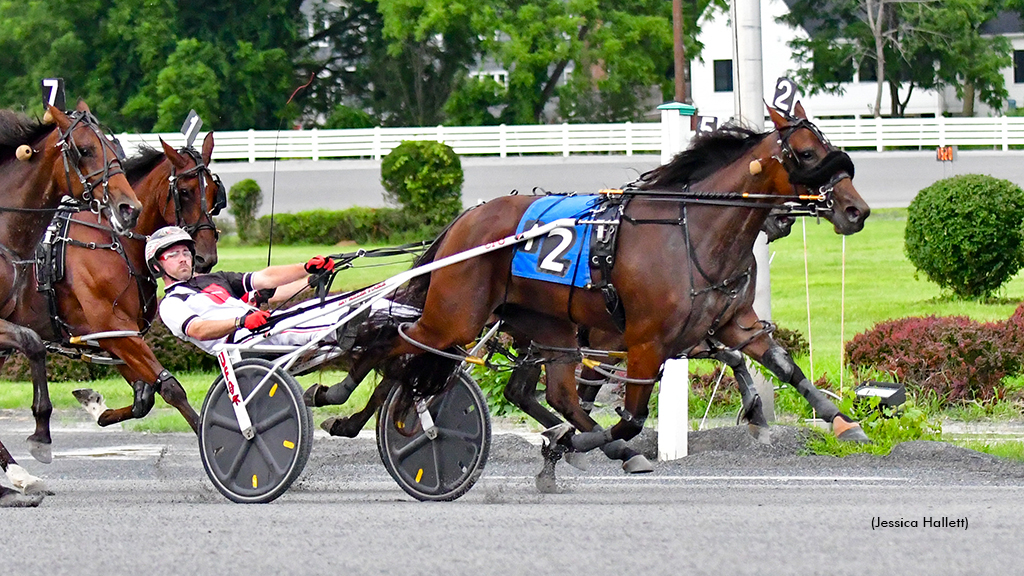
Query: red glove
[[319, 264], [253, 319]]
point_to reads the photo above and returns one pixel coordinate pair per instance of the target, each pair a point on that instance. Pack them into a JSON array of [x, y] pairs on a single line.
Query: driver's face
[[177, 262]]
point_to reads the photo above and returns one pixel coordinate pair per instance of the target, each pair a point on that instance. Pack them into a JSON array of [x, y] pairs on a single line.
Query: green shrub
[[359, 224], [966, 234], [244, 201], [424, 178]]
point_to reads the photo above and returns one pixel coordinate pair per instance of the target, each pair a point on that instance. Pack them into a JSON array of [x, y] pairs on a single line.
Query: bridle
[[199, 171], [821, 177], [72, 156]]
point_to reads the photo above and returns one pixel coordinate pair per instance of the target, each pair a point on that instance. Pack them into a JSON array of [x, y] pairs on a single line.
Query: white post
[[673, 408], [674, 391], [749, 83]]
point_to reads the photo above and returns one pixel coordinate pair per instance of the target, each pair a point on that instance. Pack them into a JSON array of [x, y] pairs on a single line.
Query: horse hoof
[[638, 465], [309, 397], [578, 460], [760, 434], [849, 431], [338, 427], [25, 482], [92, 401], [555, 434], [13, 499], [41, 451]]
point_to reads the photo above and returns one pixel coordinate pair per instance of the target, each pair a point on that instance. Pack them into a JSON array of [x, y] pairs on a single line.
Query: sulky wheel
[[441, 466], [261, 469]]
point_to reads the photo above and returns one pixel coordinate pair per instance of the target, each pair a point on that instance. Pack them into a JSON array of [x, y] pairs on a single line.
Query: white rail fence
[[566, 139]]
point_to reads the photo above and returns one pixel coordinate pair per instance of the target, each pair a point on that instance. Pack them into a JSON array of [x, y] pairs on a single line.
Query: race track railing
[[1001, 133]]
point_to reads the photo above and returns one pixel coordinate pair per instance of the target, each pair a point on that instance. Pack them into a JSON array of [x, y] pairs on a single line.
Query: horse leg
[[742, 331], [30, 489], [147, 377], [521, 391], [319, 395], [751, 410], [349, 426], [643, 363], [26, 341]]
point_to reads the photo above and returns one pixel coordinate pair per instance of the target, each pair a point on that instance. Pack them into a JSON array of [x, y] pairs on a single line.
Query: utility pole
[[679, 51], [748, 75]]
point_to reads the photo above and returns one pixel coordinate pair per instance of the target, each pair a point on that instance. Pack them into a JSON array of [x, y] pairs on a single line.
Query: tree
[[903, 43], [618, 50]]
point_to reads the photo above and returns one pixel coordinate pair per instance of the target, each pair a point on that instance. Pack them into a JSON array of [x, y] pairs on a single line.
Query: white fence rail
[[566, 139]]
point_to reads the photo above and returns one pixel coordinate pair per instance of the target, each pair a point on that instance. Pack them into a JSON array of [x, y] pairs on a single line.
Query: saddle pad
[[556, 256]]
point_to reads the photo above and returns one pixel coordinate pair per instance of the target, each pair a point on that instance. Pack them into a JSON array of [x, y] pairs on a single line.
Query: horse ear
[[777, 118], [208, 148], [82, 106], [56, 116], [798, 111], [177, 160]]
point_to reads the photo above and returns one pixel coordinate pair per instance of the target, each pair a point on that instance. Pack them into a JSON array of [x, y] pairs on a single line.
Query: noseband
[[200, 171]]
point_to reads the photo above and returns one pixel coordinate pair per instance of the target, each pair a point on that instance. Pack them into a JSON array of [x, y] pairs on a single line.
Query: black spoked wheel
[[261, 469], [442, 463]]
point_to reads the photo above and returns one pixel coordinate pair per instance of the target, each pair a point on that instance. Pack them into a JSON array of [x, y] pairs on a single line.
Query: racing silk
[[214, 296]]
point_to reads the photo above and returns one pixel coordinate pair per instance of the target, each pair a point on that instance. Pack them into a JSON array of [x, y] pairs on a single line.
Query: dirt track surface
[[141, 503]]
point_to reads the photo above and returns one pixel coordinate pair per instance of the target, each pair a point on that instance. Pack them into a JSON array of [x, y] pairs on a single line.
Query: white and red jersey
[[214, 296]]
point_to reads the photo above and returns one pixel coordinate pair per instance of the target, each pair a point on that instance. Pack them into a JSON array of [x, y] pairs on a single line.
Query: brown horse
[[683, 273], [66, 154], [107, 287]]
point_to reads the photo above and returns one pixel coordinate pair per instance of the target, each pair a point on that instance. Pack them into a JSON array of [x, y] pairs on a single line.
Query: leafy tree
[[618, 49], [902, 44]]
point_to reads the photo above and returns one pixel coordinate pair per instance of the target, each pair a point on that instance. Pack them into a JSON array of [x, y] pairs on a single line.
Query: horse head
[[89, 167], [197, 195], [815, 170]]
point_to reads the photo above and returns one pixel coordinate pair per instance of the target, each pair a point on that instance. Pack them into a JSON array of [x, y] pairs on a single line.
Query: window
[[723, 75], [1018, 66]]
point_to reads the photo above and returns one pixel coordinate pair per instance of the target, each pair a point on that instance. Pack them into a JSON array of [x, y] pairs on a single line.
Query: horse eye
[[86, 152], [806, 155]]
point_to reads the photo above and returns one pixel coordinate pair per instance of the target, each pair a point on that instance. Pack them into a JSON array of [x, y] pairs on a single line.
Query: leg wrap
[[587, 441], [339, 393], [142, 403], [779, 361], [163, 377]]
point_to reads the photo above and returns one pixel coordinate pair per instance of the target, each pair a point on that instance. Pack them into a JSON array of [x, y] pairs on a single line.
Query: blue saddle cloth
[[562, 255]]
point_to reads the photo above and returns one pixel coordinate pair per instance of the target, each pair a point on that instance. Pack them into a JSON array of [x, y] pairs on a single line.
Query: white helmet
[[163, 239]]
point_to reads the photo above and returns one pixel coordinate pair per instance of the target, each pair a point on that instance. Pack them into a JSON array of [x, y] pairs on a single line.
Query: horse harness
[[50, 265]]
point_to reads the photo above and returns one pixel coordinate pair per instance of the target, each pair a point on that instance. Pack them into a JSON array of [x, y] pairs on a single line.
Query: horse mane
[[708, 153], [137, 167], [17, 129]]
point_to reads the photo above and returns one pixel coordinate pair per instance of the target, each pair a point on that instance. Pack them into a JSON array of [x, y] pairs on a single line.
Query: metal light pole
[[748, 90]]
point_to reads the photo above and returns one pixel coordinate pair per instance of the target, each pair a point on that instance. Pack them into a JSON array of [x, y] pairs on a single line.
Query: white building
[[711, 85]]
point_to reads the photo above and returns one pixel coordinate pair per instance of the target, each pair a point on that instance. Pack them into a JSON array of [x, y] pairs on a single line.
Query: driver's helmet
[[163, 239]]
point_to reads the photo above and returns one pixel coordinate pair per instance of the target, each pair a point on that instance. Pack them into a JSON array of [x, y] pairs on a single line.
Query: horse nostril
[[853, 214], [127, 213]]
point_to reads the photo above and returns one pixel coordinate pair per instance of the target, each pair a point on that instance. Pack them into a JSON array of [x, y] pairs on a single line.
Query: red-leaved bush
[[954, 357]]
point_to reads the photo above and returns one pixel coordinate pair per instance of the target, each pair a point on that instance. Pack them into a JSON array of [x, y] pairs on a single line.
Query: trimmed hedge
[[953, 357], [244, 200], [361, 225], [967, 234]]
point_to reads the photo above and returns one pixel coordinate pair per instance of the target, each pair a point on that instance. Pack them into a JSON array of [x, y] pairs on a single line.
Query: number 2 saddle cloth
[[566, 255]]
